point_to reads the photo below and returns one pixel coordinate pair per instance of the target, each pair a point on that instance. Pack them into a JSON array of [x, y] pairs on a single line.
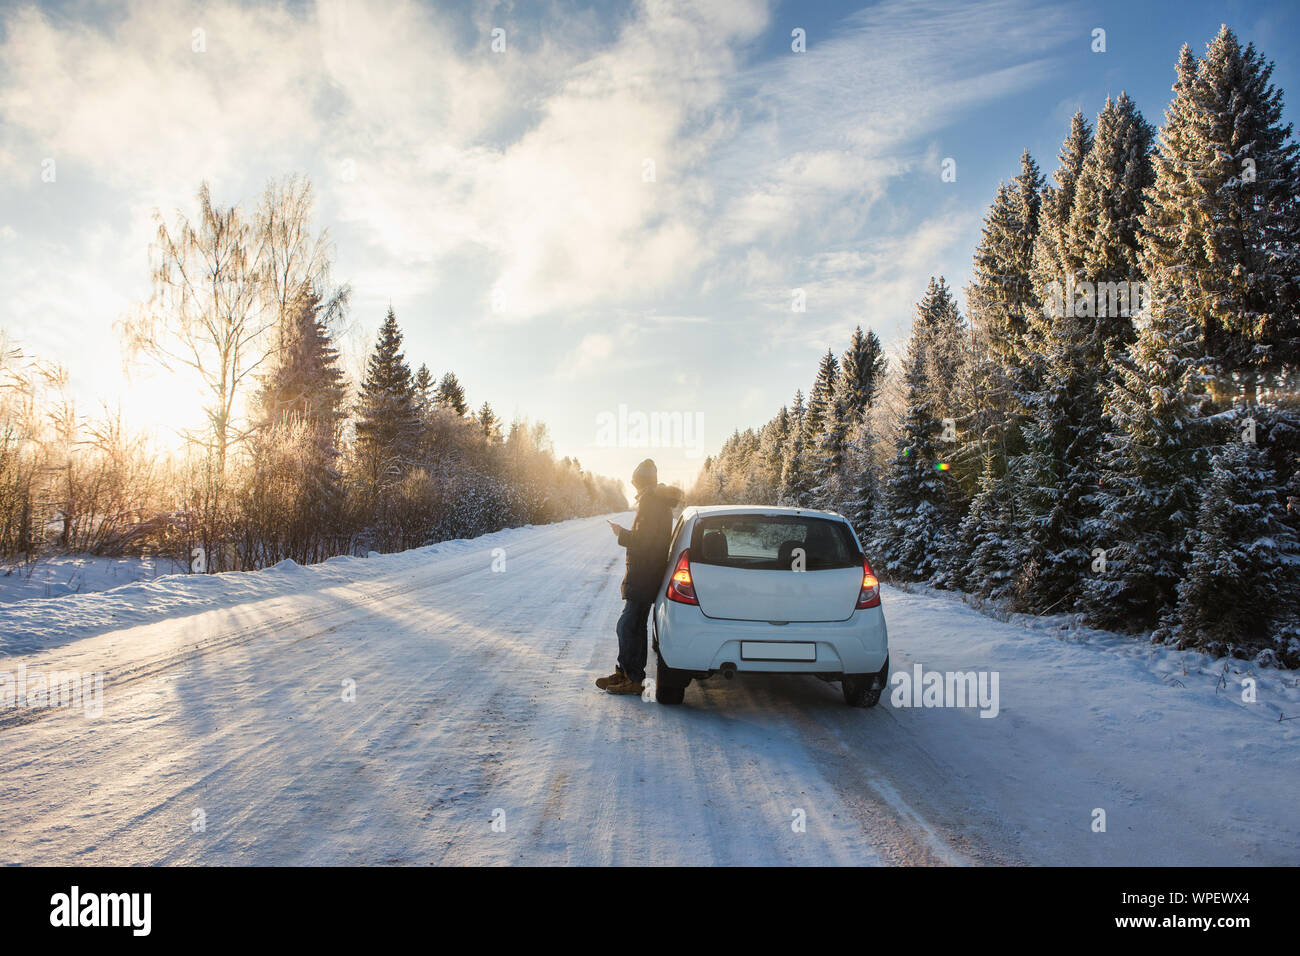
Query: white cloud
[[447, 171], [796, 148], [595, 348]]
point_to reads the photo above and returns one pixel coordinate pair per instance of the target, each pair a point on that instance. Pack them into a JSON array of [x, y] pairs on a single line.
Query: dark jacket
[[647, 543]]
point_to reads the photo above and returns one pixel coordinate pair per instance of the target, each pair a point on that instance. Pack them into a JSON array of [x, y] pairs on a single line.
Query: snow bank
[[61, 600]]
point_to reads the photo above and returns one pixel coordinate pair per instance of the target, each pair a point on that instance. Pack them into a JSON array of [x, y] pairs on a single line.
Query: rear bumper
[[689, 641]]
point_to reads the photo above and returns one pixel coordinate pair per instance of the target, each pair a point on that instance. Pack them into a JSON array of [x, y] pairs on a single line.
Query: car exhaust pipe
[[728, 670]]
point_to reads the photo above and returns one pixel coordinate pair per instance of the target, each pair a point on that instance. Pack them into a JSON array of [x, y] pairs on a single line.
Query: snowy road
[[224, 705]]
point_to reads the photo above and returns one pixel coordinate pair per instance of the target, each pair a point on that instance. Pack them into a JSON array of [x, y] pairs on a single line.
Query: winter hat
[[646, 475]]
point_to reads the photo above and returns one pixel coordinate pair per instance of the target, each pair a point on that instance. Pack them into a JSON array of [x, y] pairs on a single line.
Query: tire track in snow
[[116, 677], [255, 745]]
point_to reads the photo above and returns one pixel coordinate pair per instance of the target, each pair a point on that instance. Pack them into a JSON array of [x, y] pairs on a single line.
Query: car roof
[[701, 511]]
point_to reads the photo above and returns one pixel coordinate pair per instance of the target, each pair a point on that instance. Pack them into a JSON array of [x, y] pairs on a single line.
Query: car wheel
[[860, 692], [670, 684]]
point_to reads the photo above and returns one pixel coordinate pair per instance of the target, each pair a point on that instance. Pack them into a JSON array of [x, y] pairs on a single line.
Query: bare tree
[[295, 262], [208, 311]]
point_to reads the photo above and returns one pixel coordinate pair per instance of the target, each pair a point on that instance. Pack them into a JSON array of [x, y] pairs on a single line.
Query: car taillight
[[680, 587], [869, 595]]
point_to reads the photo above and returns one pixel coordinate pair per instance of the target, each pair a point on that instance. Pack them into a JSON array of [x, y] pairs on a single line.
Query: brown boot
[[625, 685], [604, 682]]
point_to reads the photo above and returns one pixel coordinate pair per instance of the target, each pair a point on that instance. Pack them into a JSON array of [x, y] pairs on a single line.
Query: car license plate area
[[777, 651]]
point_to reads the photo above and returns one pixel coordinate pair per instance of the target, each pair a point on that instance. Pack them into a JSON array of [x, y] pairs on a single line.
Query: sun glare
[[164, 405]]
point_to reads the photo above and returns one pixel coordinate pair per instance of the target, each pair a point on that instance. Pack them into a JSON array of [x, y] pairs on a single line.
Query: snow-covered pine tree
[[423, 387], [861, 487], [451, 395], [1052, 260], [796, 474], [998, 375], [1058, 472], [387, 423], [735, 469], [828, 472], [1001, 297], [820, 398], [305, 383], [1222, 224], [294, 495], [772, 444], [988, 295], [747, 468], [701, 492], [945, 358], [488, 422], [1153, 463], [1240, 585], [1078, 339], [989, 533], [1278, 434], [1104, 227], [919, 517], [945, 354], [1020, 301], [980, 428], [862, 371]]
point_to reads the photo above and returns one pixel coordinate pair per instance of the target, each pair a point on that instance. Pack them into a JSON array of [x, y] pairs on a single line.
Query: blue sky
[[449, 173]]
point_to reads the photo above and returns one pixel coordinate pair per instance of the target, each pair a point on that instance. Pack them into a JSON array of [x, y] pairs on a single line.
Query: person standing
[[647, 559]]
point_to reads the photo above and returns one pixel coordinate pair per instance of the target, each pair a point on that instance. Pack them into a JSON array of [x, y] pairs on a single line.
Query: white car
[[772, 591]]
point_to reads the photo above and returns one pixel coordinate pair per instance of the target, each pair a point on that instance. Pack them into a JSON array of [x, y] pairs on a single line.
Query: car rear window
[[769, 542]]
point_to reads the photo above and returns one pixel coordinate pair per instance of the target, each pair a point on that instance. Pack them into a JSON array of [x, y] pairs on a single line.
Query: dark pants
[[633, 638]]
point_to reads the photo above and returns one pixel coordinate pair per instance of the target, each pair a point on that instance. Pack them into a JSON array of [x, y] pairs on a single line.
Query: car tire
[[670, 684], [860, 691]]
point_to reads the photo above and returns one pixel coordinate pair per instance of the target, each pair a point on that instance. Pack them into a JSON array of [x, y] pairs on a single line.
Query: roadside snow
[[1277, 691], [117, 593], [76, 574]]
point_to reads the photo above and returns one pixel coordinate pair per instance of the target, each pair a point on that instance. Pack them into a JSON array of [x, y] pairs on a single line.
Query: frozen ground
[[223, 703]]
